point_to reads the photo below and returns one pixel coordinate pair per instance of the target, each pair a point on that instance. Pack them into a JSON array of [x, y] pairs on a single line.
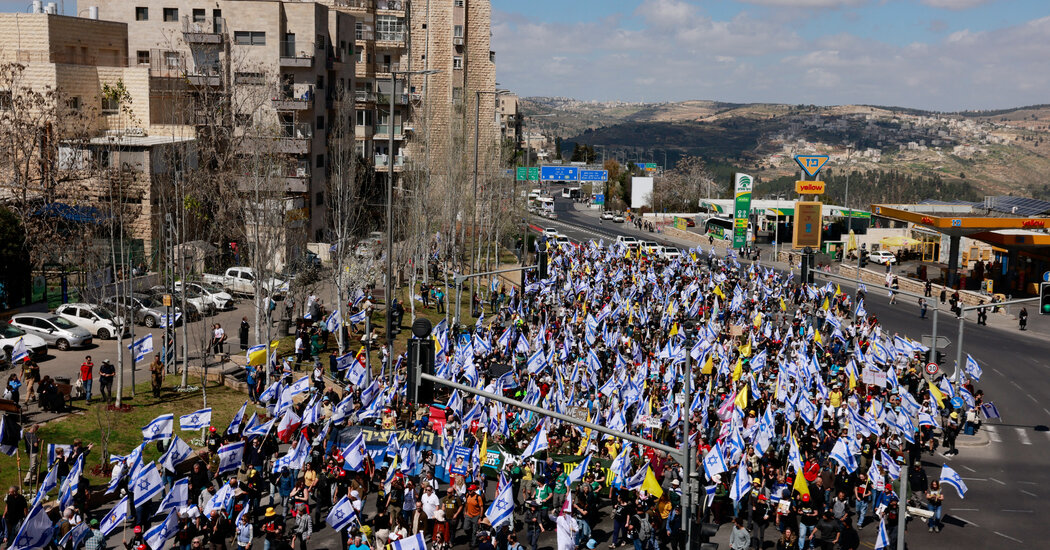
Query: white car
[[652, 248], [219, 298], [9, 335], [562, 241], [550, 232], [884, 257], [607, 215], [628, 240], [671, 254], [95, 319], [618, 218]]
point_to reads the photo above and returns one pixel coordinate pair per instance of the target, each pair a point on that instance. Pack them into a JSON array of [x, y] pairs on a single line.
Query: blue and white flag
[[197, 420], [19, 353], [989, 410], [951, 477], [160, 428], [261, 430], [75, 536], [537, 444], [411, 543], [35, 531], [883, 539], [235, 424], [177, 497], [355, 452], [52, 452], [175, 454], [741, 484], [537, 362], [714, 462], [139, 348], [47, 485], [332, 322], [579, 471], [341, 514], [501, 509], [219, 500], [973, 370], [148, 485], [115, 517], [840, 453], [358, 317], [71, 484], [159, 535], [230, 457], [270, 393]]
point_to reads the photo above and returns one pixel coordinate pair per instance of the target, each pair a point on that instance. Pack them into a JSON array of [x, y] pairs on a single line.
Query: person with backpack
[[645, 532]]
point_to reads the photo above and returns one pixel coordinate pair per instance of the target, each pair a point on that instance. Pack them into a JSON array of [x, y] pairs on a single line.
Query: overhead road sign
[[594, 175], [811, 164], [942, 341], [559, 173], [531, 173], [809, 187]]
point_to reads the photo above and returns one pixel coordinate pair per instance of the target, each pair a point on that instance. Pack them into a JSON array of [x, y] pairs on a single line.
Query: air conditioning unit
[[300, 172], [457, 41]]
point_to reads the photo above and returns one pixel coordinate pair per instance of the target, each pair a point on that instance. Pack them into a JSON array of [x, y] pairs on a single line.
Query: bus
[[545, 206], [570, 193], [719, 228]]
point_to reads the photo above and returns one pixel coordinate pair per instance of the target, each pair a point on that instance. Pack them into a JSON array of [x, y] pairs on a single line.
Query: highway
[[1009, 477]]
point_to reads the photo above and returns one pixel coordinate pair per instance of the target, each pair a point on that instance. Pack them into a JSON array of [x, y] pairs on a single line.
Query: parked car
[[608, 215], [9, 335], [140, 307], [652, 248], [55, 330], [95, 319], [628, 240], [618, 218], [690, 222], [196, 304], [219, 298], [884, 257], [241, 280]]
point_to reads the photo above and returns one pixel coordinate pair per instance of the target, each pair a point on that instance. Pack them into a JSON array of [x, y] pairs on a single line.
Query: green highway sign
[[531, 173]]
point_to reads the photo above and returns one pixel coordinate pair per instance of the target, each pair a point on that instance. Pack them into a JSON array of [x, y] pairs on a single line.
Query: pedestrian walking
[[106, 374], [982, 314], [1022, 318], [739, 538], [87, 377], [156, 371], [244, 333], [922, 308]]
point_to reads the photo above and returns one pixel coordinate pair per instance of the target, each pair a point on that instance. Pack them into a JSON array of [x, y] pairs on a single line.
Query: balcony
[[364, 96], [294, 139], [296, 57], [364, 34], [381, 163], [203, 31], [383, 132], [399, 99], [390, 38], [205, 76], [294, 180], [355, 5], [299, 98], [385, 68], [390, 5]]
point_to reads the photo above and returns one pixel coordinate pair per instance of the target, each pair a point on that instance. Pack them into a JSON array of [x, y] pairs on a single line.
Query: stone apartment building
[[274, 63]]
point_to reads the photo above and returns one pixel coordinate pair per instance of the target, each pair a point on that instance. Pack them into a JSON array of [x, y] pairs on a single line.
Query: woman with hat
[[273, 528]]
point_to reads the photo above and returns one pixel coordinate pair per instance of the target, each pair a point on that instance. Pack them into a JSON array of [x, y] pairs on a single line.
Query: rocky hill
[[989, 152]]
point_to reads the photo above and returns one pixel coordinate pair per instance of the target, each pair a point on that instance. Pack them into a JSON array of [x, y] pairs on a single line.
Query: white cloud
[[954, 4], [809, 3]]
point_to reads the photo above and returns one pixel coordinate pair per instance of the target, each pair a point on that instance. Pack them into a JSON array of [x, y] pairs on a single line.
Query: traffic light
[[1044, 299], [542, 259], [420, 360], [807, 265]]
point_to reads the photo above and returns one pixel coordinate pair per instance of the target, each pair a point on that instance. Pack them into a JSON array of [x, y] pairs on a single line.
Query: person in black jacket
[[244, 333]]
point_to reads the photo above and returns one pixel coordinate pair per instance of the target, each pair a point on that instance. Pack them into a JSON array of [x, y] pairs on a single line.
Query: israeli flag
[[160, 428], [35, 531], [883, 540], [175, 454], [358, 317], [46, 486], [332, 322], [539, 443], [71, 484], [841, 454], [19, 353], [219, 500], [537, 362], [714, 462], [951, 477], [341, 515], [196, 420], [230, 457], [973, 370], [579, 471], [412, 543], [158, 536], [147, 485], [354, 453], [235, 424], [75, 536], [260, 430], [177, 497], [271, 392], [989, 410], [299, 386], [139, 348], [115, 517], [165, 320], [502, 508], [638, 478], [742, 484]]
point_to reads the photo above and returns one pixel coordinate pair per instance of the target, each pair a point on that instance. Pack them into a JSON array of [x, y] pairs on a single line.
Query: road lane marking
[[1008, 537], [1016, 511], [964, 520], [1029, 493], [975, 479], [997, 481], [1023, 436], [1028, 483], [993, 434], [971, 470], [1034, 400], [999, 373]]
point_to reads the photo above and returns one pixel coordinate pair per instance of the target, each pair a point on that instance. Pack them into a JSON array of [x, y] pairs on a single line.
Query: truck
[[241, 280]]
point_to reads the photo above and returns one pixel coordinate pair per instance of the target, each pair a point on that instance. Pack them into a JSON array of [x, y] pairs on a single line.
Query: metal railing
[[385, 128], [363, 96], [300, 130], [364, 34], [387, 67], [357, 4], [381, 160], [70, 58], [203, 26], [298, 50], [390, 36], [390, 5]]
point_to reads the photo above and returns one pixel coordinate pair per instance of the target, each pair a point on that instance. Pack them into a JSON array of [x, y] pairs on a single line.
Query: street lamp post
[[389, 287], [474, 210]]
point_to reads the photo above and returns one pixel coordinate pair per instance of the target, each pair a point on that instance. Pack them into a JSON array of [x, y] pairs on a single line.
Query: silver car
[[55, 330]]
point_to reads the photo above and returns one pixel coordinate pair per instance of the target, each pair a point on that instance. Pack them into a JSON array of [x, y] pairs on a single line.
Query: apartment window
[[320, 82], [458, 3], [110, 105], [457, 31], [141, 13], [73, 103], [249, 38], [171, 14], [249, 78], [198, 15], [390, 28], [364, 118], [492, 56], [320, 122], [457, 95], [320, 161], [320, 40], [457, 62], [319, 198], [142, 56], [5, 100]]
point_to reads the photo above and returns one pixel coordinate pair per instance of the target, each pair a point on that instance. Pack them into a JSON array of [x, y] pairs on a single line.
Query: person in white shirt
[[218, 338], [567, 528]]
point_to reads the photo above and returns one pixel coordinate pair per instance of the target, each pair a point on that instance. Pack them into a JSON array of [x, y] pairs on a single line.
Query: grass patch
[[90, 422]]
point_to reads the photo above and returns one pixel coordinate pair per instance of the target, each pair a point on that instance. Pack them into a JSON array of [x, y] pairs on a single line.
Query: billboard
[[641, 191], [808, 224], [741, 209]]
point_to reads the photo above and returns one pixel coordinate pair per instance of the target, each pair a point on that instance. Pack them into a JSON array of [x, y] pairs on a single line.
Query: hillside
[[990, 152]]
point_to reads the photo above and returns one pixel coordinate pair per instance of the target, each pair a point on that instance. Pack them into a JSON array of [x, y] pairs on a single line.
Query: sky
[[944, 55]]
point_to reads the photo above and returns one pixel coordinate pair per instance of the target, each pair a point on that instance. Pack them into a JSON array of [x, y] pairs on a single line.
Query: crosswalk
[[1010, 434]]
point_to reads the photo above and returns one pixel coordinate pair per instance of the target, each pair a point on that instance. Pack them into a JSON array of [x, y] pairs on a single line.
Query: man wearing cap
[[473, 509], [453, 509], [533, 524], [95, 540]]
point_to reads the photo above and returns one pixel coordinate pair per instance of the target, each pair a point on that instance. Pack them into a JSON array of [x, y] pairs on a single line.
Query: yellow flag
[[741, 399], [674, 329], [936, 393], [739, 370], [782, 306], [718, 292], [827, 305], [708, 365], [650, 485], [800, 484], [838, 290], [758, 319], [745, 350], [817, 338], [484, 448], [852, 380]]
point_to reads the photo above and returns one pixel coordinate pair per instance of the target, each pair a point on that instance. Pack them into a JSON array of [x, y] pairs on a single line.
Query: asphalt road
[[1008, 478]]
